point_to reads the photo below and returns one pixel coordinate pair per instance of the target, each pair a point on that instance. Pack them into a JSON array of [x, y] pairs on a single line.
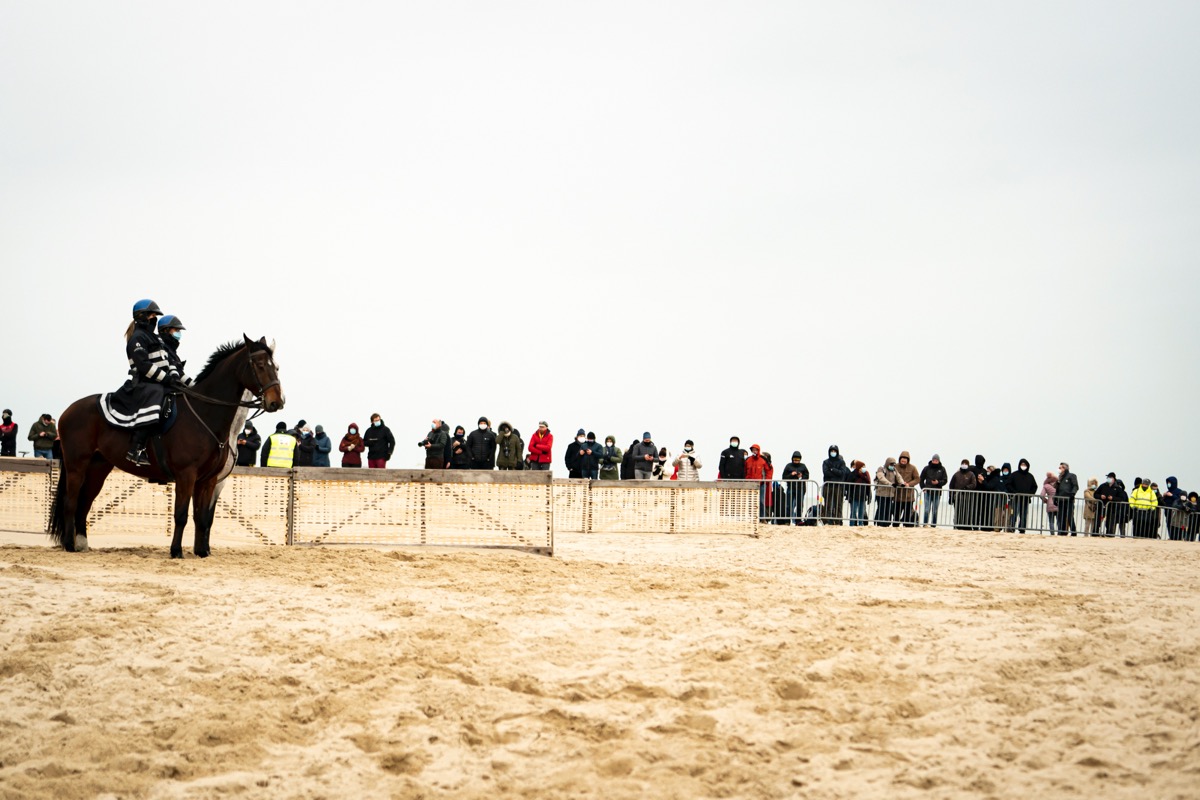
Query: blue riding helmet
[[170, 321], [146, 307]]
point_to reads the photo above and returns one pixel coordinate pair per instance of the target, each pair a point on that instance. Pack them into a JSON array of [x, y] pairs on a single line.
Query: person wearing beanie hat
[[589, 458], [933, 480], [1022, 487], [571, 457], [322, 445], [687, 464], [481, 444], [248, 442], [279, 450], [644, 455], [795, 473]]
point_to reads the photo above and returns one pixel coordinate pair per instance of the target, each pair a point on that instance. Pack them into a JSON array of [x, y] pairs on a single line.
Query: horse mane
[[219, 355]]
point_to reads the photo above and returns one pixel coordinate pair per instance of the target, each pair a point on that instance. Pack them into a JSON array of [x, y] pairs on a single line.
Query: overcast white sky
[[944, 227]]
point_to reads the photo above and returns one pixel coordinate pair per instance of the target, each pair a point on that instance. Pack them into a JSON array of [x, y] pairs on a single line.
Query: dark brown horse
[[198, 450]]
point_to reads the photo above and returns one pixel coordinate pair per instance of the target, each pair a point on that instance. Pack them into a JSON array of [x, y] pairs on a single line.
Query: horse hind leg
[[93, 482]]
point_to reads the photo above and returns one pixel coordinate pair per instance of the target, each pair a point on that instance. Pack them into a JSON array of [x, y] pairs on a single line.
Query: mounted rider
[[154, 369]]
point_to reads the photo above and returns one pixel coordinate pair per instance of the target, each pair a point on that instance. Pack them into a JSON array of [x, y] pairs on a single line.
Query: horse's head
[[262, 377]]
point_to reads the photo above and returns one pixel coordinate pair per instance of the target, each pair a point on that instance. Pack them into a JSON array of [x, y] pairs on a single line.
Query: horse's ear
[[247, 338]]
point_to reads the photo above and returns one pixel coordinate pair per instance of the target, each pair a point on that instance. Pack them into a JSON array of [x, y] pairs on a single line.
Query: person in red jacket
[[540, 446], [759, 469]]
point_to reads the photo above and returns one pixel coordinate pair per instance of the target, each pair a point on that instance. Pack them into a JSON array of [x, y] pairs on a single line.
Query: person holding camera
[[435, 444], [687, 463]]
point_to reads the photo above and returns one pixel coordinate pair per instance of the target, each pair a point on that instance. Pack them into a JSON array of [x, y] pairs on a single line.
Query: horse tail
[[58, 516]]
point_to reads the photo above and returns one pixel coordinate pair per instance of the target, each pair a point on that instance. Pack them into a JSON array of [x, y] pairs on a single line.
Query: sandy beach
[[816, 663]]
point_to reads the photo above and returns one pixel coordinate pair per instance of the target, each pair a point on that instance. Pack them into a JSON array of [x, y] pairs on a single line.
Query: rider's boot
[[137, 447]]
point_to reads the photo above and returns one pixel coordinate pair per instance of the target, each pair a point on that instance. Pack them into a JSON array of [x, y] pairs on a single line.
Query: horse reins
[[257, 403]]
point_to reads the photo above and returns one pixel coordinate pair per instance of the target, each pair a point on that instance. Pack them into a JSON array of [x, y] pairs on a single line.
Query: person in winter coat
[[1177, 516], [571, 458], [351, 447], [321, 447], [435, 444], [43, 433], [1022, 487], [589, 458], [643, 454], [795, 473], [248, 443], [1192, 532], [610, 460], [979, 471], [1173, 495], [732, 466], [1090, 517], [1119, 511], [962, 497], [1049, 491], [834, 473], [541, 447], [1104, 496], [906, 495], [627, 470], [481, 445], [460, 458], [687, 463], [8, 435], [759, 469], [279, 450], [1068, 487], [1144, 504], [510, 450], [858, 493], [661, 466], [933, 482], [379, 442], [886, 481], [996, 484]]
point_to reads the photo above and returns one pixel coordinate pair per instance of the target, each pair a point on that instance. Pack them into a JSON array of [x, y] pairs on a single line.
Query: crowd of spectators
[[985, 497]]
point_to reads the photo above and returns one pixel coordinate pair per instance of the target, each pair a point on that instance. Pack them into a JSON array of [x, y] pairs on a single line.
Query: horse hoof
[[176, 554], [201, 553], [81, 544]]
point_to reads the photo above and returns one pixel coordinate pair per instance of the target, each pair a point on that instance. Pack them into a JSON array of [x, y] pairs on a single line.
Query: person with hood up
[[858, 492], [248, 442], [834, 473], [510, 450], [732, 466], [643, 454], [933, 483], [1119, 511], [610, 459], [759, 469], [886, 481], [589, 458], [541, 447], [906, 495], [304, 444], [321, 447], [687, 464], [627, 471], [571, 458], [1022, 487], [379, 442], [795, 475], [962, 496], [1176, 515], [1192, 506], [1172, 496], [8, 436], [351, 447], [1144, 503], [1049, 491], [1090, 518], [460, 457], [279, 450], [481, 445]]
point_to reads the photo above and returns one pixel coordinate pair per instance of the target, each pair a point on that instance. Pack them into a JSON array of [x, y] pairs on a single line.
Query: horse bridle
[[256, 403]]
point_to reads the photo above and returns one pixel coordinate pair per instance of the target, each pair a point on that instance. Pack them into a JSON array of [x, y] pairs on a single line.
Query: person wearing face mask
[[1104, 498], [435, 444], [687, 463], [933, 482], [962, 498], [8, 435], [351, 447], [858, 493], [1022, 486], [834, 472], [732, 466], [589, 458], [460, 458], [510, 450], [571, 457], [644, 454], [321, 447], [1144, 503], [906, 494], [795, 474], [1090, 517], [304, 444], [481, 444], [379, 443], [611, 458], [248, 442], [886, 481]]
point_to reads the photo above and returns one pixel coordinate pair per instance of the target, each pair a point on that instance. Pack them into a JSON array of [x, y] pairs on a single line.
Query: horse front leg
[[203, 505], [183, 496]]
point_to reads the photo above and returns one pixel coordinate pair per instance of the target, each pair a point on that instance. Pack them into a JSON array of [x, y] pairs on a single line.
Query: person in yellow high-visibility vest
[[1144, 503], [279, 450]]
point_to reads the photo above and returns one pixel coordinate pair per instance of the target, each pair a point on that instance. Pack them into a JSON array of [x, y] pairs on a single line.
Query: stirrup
[[138, 457]]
